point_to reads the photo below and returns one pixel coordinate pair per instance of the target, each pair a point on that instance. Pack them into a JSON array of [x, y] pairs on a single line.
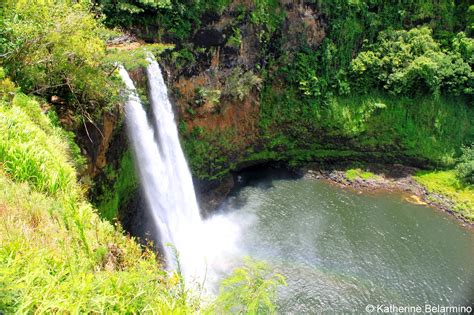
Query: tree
[[465, 167], [412, 62], [58, 48]]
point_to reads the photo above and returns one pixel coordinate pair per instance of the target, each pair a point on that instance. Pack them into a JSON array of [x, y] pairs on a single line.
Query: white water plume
[[205, 248]]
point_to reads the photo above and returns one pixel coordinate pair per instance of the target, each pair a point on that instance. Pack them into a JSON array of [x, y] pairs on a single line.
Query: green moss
[[124, 184], [447, 184], [210, 154], [354, 173]]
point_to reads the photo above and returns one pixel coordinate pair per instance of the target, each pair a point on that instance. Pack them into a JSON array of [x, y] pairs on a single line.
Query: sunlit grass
[[354, 173], [446, 183], [32, 150], [56, 254]]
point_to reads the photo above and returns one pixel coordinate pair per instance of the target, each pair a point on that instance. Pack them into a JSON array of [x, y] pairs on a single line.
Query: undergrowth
[[447, 184], [56, 254], [125, 183]]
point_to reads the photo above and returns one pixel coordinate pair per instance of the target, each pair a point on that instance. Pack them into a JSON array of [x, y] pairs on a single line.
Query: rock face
[[304, 21], [209, 37], [225, 49]]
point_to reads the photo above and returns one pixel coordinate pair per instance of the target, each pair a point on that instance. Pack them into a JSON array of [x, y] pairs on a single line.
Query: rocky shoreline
[[383, 178]]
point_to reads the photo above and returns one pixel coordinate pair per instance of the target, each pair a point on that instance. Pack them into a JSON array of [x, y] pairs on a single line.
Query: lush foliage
[[126, 7], [412, 62], [447, 184], [178, 18], [353, 23], [250, 289], [58, 48], [386, 127], [465, 167], [52, 240], [125, 183]]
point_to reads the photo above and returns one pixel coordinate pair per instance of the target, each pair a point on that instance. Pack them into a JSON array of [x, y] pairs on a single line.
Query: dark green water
[[340, 250]]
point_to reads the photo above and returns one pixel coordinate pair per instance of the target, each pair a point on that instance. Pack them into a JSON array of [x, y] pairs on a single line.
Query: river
[[341, 250]]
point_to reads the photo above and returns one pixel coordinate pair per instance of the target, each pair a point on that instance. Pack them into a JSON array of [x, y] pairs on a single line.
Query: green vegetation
[[235, 296], [239, 83], [235, 40], [124, 185], [78, 262], [135, 58], [205, 95], [178, 18], [354, 173], [28, 147], [412, 62], [465, 167], [424, 128], [446, 184], [58, 48], [268, 15], [209, 154]]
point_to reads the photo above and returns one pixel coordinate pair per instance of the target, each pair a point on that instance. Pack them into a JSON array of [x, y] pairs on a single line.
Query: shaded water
[[340, 250]]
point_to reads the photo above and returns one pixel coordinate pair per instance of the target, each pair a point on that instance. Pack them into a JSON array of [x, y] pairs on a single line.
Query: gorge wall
[[257, 82]]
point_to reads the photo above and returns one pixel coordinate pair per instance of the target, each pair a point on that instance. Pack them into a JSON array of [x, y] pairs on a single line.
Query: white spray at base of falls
[[204, 247]]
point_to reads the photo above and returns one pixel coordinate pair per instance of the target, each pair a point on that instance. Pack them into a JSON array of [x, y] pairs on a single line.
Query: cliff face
[[215, 80], [230, 49], [267, 82]]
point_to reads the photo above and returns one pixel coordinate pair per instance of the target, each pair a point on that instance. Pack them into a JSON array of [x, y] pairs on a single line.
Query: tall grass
[[32, 150], [447, 184], [56, 254], [45, 268], [426, 127]]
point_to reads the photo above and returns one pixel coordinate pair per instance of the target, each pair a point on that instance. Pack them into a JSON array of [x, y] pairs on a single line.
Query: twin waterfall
[[164, 175]]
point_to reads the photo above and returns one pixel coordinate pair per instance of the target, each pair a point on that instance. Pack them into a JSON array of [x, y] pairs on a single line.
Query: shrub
[[206, 95], [235, 40], [58, 48], [250, 289], [465, 167], [239, 83], [412, 62]]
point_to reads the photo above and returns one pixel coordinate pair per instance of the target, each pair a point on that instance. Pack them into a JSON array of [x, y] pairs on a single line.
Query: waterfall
[[164, 175], [168, 188]]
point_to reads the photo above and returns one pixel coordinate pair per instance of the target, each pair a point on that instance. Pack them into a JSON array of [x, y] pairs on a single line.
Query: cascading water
[[164, 174], [167, 185], [183, 220], [147, 157]]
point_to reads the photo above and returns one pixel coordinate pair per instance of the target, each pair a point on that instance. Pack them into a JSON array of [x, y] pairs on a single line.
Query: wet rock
[[212, 194], [209, 37]]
